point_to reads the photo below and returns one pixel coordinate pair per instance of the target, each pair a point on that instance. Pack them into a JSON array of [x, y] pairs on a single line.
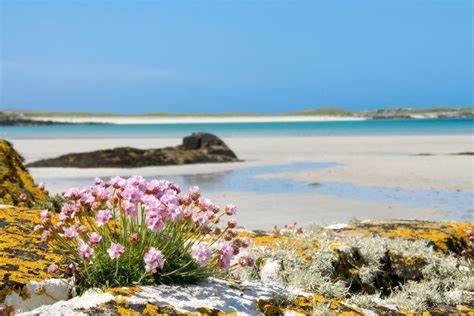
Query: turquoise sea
[[341, 128]]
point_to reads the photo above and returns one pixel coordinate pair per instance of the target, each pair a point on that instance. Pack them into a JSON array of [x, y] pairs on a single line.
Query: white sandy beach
[[130, 119], [380, 161]]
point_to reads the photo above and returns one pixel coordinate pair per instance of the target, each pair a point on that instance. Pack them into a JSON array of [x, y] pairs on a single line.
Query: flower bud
[[231, 223], [134, 238]]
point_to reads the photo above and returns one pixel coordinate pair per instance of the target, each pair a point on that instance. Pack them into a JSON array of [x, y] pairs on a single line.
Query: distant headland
[[17, 118]]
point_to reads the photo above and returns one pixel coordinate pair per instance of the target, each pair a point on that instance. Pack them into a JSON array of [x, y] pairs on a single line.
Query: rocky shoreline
[[360, 268]]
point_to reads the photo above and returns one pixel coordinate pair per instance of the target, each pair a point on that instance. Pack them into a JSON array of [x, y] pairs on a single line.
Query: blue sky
[[234, 56]]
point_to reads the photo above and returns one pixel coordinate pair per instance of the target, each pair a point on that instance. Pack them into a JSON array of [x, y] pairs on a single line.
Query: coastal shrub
[[369, 270], [133, 231]]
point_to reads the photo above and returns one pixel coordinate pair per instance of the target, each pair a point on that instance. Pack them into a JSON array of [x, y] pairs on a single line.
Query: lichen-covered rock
[[444, 236], [16, 185], [24, 258], [212, 297], [391, 267]]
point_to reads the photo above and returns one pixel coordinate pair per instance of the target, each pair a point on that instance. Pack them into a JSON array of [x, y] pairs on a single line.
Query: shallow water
[[340, 128], [457, 204]]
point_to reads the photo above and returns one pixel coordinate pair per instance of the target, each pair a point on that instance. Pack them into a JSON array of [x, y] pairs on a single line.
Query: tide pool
[[458, 204]]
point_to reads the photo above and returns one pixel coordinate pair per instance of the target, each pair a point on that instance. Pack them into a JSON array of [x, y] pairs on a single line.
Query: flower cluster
[[288, 230], [124, 231], [468, 252]]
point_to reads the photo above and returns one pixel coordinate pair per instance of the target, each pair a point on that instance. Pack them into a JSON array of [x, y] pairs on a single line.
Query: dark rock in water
[[466, 153], [197, 148], [314, 184]]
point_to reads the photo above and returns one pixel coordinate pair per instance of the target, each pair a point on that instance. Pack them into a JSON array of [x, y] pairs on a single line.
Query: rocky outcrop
[[16, 185], [197, 148], [374, 270], [23, 262]]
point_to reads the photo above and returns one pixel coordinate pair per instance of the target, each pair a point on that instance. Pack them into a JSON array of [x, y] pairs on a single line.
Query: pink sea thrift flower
[[44, 214], [201, 219], [154, 222], [232, 223], [115, 250], [225, 253], [201, 253], [153, 260], [129, 208], [46, 235], [117, 182], [175, 213], [70, 232], [102, 217], [53, 268], [246, 261], [194, 193], [230, 209], [94, 238], [85, 251], [99, 181], [206, 204]]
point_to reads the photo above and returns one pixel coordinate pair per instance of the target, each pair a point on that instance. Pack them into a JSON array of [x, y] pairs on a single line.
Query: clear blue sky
[[234, 56]]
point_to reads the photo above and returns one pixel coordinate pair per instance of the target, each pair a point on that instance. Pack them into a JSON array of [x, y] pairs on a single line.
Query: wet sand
[[380, 161]]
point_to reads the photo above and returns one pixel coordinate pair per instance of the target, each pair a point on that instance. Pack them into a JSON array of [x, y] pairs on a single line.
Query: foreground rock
[[197, 148], [368, 268], [16, 185], [24, 259]]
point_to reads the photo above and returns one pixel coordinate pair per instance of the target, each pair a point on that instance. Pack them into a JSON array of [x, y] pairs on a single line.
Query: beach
[[389, 164]]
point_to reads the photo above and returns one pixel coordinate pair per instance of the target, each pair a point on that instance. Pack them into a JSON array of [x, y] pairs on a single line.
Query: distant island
[[16, 118]]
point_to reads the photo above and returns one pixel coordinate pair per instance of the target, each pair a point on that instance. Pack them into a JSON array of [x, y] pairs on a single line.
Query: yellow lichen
[[445, 237], [124, 291], [23, 256], [17, 186]]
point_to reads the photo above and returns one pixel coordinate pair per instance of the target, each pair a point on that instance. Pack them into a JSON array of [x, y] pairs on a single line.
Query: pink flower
[[53, 268], [201, 219], [130, 208], [206, 204], [102, 217], [94, 238], [73, 194], [246, 261], [85, 251], [44, 214], [153, 260], [117, 182], [201, 253], [46, 221], [99, 181], [230, 209], [46, 235], [133, 194], [154, 222], [175, 213], [194, 193], [70, 232], [115, 250], [469, 232], [63, 217], [232, 223], [225, 253]]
